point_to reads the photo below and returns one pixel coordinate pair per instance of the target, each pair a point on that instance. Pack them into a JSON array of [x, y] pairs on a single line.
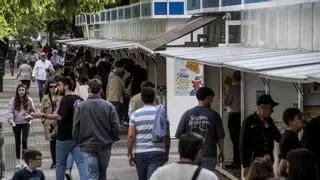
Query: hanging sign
[[188, 76]]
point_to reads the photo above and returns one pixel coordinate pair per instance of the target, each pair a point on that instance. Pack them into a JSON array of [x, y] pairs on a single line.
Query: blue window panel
[[136, 11], [97, 18], [108, 16], [160, 8], [210, 3], [176, 8], [146, 9], [114, 15], [120, 15], [88, 19], [127, 13], [256, 1], [193, 4], [103, 16], [92, 19], [230, 2]]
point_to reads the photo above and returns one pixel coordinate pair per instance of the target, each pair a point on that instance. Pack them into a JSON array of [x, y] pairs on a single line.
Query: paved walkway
[[118, 167]]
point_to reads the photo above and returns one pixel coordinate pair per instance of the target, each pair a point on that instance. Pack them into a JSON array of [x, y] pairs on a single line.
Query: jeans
[[17, 130], [70, 162], [26, 83], [234, 125], [119, 108], [97, 163], [40, 88], [209, 163], [147, 163], [62, 150]]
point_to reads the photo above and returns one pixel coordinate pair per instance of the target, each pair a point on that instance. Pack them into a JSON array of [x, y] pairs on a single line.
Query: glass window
[[210, 3], [230, 2], [193, 4]]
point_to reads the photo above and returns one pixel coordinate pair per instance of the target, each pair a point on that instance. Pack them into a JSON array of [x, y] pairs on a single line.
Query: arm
[[228, 100], [19, 72], [32, 108], [245, 145], [76, 125], [276, 132], [282, 167], [131, 141], [182, 127], [115, 126], [219, 134], [167, 138], [34, 72], [10, 114], [51, 67]]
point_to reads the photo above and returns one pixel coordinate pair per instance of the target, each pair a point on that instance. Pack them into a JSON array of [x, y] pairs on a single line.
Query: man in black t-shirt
[[206, 122], [64, 141], [295, 122]]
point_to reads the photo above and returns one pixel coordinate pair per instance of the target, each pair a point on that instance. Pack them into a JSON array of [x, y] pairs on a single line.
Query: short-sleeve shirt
[[143, 119], [25, 174], [66, 110], [179, 171], [288, 142], [206, 122]]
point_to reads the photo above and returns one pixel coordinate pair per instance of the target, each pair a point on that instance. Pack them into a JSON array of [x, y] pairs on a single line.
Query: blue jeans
[[40, 88], [70, 161], [209, 163], [97, 163], [147, 163], [62, 150]]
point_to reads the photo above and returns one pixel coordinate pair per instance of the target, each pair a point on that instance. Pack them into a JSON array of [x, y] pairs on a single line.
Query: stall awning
[[86, 42], [196, 22], [287, 65], [114, 45], [69, 40]]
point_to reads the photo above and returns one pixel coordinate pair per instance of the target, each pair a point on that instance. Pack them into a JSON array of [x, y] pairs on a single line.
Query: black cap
[[266, 99]]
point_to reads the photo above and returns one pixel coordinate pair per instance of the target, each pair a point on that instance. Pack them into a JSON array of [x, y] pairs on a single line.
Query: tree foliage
[[26, 17]]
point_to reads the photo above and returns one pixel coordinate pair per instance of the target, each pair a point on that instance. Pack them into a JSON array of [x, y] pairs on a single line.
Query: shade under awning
[[287, 65], [196, 22], [69, 40]]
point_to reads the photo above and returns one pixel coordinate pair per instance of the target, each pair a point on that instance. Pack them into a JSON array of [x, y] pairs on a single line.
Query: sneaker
[[18, 164], [125, 123], [53, 166], [67, 175]]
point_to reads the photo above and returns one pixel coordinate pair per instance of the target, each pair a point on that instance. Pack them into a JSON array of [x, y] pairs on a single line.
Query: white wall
[[282, 92], [177, 105]]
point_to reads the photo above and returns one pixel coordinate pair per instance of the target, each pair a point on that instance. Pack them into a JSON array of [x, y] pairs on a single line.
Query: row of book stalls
[[184, 53]]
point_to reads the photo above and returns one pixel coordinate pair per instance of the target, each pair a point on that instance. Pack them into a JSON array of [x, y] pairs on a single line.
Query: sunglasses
[[52, 86]]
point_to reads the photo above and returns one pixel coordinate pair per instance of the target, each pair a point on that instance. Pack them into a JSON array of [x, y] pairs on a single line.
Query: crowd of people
[[85, 101]]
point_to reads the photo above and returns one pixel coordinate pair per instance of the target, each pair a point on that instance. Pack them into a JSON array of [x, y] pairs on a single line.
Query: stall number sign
[[188, 76]]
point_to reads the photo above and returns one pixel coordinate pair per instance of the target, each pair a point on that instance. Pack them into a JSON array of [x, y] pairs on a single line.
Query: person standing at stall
[[258, 132], [232, 101]]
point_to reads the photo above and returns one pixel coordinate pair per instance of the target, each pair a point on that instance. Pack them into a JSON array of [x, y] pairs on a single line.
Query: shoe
[[125, 124], [22, 163], [233, 165], [67, 175], [53, 166], [18, 164]]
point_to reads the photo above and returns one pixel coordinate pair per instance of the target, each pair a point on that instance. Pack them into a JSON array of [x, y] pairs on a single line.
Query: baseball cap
[[266, 99]]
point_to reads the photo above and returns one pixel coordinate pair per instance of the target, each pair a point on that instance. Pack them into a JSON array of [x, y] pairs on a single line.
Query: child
[[33, 161]]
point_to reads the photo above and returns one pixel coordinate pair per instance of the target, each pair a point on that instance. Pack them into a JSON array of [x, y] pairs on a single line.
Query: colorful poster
[[188, 76]]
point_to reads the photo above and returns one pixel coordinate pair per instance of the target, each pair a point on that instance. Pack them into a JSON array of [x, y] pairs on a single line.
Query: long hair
[[302, 165], [24, 100], [260, 169]]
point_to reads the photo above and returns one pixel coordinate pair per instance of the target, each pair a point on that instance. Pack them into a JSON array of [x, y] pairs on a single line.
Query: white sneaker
[[22, 163], [18, 165]]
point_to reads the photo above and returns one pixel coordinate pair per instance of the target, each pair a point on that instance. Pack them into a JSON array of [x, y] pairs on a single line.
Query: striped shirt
[[143, 119]]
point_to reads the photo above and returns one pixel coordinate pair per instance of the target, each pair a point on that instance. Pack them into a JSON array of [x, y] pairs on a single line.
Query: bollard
[[2, 160]]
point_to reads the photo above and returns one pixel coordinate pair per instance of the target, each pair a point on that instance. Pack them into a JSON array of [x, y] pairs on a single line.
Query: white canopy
[[286, 65]]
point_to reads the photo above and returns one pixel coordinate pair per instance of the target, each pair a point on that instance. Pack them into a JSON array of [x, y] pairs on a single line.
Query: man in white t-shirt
[[190, 150]]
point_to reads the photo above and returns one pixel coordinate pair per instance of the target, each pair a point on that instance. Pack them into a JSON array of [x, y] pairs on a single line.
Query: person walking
[[19, 109], [258, 133], [191, 151], [41, 72], [206, 122], [96, 127], [24, 74], [148, 155], [48, 106], [64, 141]]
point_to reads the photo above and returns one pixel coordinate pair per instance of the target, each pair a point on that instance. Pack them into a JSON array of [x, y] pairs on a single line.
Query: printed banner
[[188, 76]]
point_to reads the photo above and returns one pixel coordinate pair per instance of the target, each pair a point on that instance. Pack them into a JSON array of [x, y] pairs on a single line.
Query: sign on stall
[[189, 77]]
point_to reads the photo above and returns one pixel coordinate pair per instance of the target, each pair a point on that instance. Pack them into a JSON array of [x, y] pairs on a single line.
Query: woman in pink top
[[19, 108]]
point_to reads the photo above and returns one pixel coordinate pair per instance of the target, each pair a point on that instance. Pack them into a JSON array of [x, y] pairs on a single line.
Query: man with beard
[[64, 142], [206, 122]]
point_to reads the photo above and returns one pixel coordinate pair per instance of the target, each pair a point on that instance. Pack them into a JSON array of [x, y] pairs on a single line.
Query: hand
[[12, 123], [221, 157], [36, 115], [245, 172], [131, 160], [28, 117]]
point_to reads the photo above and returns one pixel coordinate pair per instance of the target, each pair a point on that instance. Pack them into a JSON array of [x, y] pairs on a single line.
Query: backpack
[[159, 125]]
